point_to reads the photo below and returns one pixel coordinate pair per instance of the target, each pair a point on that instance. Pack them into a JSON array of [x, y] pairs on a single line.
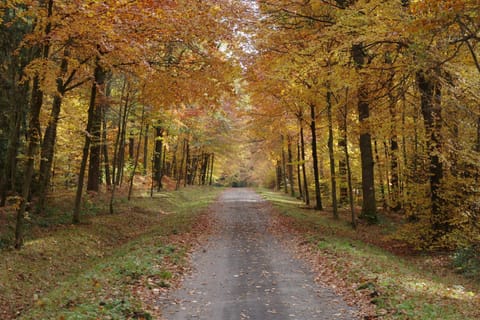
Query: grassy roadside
[[401, 287], [92, 271]]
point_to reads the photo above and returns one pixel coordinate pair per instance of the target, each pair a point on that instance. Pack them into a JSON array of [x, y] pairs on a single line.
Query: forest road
[[243, 272]]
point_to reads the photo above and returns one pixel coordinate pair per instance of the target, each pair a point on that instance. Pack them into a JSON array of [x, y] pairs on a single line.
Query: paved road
[[243, 272]]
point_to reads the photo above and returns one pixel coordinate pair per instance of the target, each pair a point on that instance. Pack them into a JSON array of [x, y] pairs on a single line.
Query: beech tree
[[333, 98]]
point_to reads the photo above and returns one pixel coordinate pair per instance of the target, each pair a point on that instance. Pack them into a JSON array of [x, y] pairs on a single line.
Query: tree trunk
[[137, 156], [284, 167], [181, 171], [331, 153], [304, 172], [99, 73], [430, 91], [131, 147], [164, 161], [106, 160], [299, 168], [477, 145], [174, 170], [380, 175], [347, 162], [187, 162], [193, 165], [94, 172], [342, 165], [211, 169], [369, 210], [115, 156], [33, 138], [394, 184], [145, 150], [279, 176], [50, 137], [157, 159], [316, 174], [205, 166], [342, 171], [290, 166], [10, 169], [123, 136], [207, 169]]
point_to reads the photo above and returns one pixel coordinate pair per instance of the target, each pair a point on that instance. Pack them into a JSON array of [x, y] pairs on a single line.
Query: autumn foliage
[[371, 106]]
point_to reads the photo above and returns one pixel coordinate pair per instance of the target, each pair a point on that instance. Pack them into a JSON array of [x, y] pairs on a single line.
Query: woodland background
[[365, 106]]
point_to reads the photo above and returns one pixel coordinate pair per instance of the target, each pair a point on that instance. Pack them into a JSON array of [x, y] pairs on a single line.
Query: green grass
[[400, 287], [88, 271]]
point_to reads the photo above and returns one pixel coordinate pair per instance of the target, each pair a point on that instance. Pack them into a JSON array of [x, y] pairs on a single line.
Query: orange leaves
[[438, 6]]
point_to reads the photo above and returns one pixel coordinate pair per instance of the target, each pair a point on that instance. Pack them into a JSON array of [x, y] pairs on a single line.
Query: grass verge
[[92, 271], [400, 287]]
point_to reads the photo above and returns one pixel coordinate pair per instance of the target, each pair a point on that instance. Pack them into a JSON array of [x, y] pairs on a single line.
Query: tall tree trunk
[[387, 172], [394, 184], [347, 162], [211, 169], [187, 163], [380, 175], [33, 137], [207, 169], [181, 170], [94, 172], [304, 172], [369, 210], [205, 166], [299, 168], [131, 146], [316, 174], [145, 149], [157, 158], [290, 166], [98, 74], [50, 137], [10, 169], [284, 167], [106, 158], [123, 136], [137, 156], [477, 145], [173, 170], [342, 172], [193, 164], [331, 153], [116, 148], [430, 92], [278, 180], [164, 161]]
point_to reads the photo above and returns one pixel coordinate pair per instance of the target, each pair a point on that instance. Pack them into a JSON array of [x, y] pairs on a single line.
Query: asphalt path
[[244, 272]]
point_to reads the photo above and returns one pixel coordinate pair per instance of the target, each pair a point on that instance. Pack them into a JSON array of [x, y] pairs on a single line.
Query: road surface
[[243, 272]]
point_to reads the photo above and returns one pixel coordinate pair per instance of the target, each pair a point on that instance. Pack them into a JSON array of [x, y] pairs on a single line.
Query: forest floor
[[126, 265], [385, 277]]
